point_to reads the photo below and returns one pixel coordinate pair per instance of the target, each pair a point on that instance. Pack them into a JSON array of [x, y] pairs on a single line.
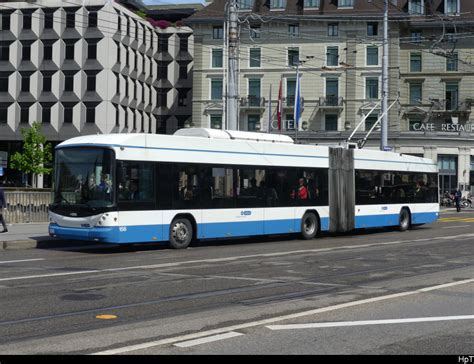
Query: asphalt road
[[368, 292]]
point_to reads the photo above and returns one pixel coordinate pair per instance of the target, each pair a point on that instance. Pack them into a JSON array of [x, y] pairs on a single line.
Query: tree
[[36, 153]]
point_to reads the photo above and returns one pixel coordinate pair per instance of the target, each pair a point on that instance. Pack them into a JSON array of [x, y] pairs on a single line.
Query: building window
[[452, 62], [332, 56], [92, 49], [183, 44], [415, 93], [332, 91], [24, 114], [27, 20], [48, 19], [255, 57], [25, 83], [46, 114], [26, 52], [68, 114], [182, 97], [216, 121], [330, 122], [162, 70], [451, 7], [216, 89], [416, 7], [70, 50], [245, 4], [370, 121], [162, 43], [293, 56], [4, 52], [183, 71], [254, 91], [92, 19], [372, 88], [294, 30], [311, 4], [217, 58], [217, 32], [3, 113], [255, 31], [415, 62], [414, 123], [91, 82], [5, 21], [69, 83], [452, 95], [345, 3], [278, 4], [415, 36], [372, 56], [333, 29], [47, 52], [252, 122], [372, 29], [290, 91], [90, 114], [47, 82], [162, 98], [4, 81], [70, 19]]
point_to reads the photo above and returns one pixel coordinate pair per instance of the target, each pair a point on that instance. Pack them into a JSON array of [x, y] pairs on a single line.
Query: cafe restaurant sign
[[453, 127]]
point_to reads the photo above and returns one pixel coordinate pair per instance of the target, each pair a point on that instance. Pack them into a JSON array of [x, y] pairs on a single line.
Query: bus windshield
[[84, 177]]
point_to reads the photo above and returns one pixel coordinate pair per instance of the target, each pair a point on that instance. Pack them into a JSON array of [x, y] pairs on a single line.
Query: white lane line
[[230, 259], [272, 320], [21, 261], [454, 227], [208, 339], [368, 322]]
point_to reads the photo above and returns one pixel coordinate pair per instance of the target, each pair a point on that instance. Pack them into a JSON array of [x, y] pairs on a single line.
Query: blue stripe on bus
[[150, 233], [371, 221], [155, 233]]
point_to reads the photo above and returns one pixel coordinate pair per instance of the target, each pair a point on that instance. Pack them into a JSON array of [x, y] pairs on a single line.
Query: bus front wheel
[[309, 226], [181, 233]]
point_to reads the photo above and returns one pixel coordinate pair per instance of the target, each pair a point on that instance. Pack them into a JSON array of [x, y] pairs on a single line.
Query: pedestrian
[[3, 206], [457, 200]]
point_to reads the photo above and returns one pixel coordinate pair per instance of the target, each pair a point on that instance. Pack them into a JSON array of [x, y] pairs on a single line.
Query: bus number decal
[[122, 229], [246, 213]]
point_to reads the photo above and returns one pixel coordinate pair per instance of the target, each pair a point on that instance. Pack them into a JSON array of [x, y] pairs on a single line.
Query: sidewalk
[[24, 236]]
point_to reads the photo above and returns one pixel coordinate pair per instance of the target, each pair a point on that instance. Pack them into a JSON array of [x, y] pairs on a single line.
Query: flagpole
[[297, 97], [269, 129]]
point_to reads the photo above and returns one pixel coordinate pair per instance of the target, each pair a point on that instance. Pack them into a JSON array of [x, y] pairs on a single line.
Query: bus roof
[[243, 148]]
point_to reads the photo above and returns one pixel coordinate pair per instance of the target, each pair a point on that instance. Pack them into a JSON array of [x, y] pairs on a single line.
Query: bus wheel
[[181, 233], [309, 225], [404, 220]]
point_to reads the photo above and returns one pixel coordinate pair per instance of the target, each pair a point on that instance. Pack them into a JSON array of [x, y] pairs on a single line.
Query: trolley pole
[[232, 107], [385, 60]]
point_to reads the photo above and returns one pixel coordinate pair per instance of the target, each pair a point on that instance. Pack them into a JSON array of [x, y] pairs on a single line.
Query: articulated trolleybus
[[205, 184]]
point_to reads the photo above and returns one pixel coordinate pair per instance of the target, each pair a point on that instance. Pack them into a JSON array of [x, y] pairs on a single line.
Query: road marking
[[454, 227], [368, 322], [230, 259], [106, 317], [20, 261], [208, 339], [272, 320]]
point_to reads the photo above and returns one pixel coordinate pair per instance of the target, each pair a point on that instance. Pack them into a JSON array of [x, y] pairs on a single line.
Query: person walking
[[3, 206], [457, 200]]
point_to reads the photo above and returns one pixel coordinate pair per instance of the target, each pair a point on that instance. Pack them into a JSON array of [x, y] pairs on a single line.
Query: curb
[[18, 244]]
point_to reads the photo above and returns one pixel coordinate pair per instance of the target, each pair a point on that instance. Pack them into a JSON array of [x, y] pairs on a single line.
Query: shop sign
[[448, 127]]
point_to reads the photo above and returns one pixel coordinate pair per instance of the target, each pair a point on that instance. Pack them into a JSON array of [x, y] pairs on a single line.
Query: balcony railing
[[451, 105], [331, 101], [252, 101]]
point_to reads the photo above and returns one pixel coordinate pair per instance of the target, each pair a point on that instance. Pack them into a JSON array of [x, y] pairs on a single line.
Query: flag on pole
[[279, 106], [269, 129], [297, 112]]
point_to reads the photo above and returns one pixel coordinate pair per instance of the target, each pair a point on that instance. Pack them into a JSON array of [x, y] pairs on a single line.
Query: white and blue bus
[[205, 183]]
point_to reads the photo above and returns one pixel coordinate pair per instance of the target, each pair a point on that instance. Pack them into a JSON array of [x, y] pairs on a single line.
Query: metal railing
[[23, 207]]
